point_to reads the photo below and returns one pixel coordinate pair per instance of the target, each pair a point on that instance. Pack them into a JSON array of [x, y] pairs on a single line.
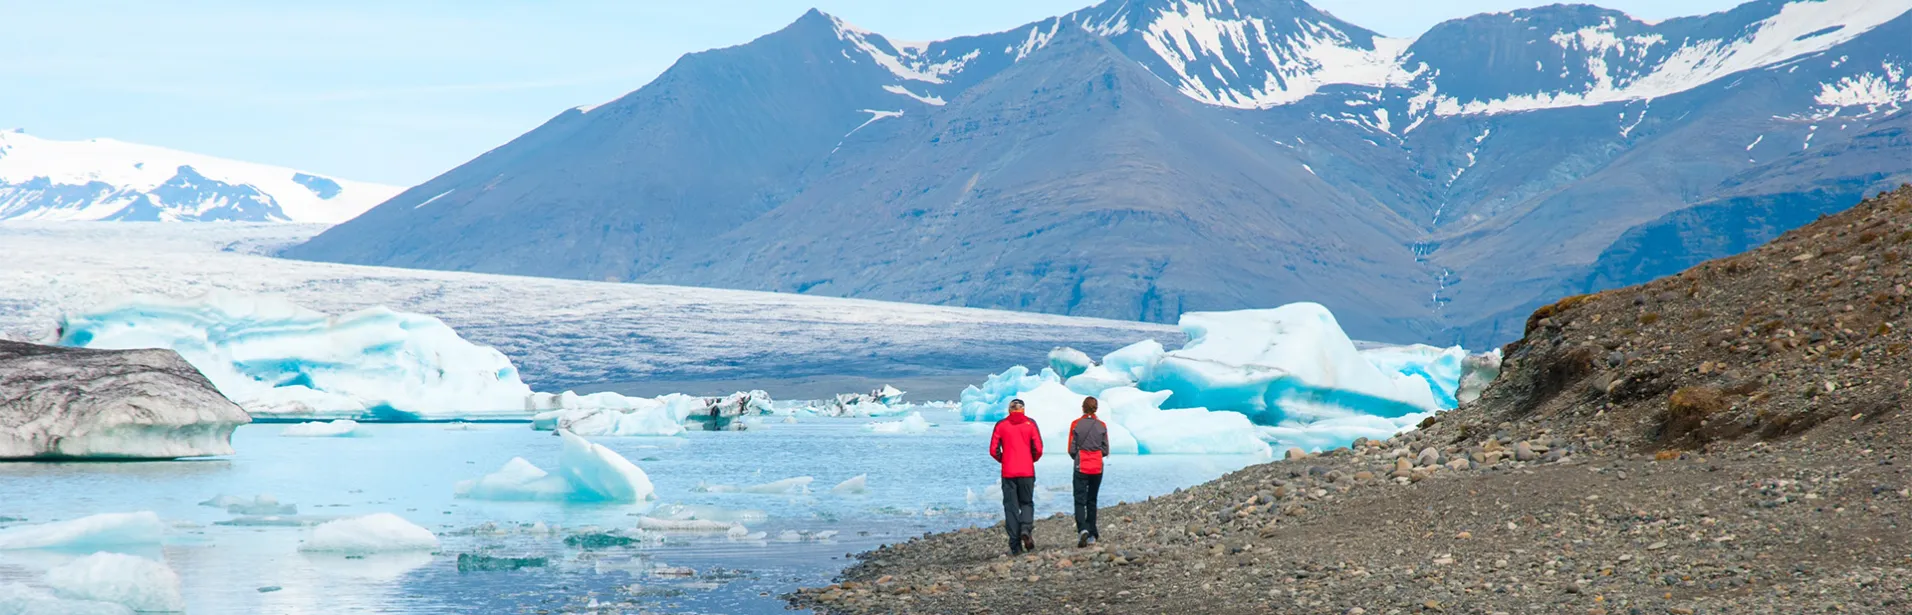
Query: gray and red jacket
[[1088, 443]]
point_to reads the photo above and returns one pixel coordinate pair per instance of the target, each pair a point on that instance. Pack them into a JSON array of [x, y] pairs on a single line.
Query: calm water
[[917, 484]]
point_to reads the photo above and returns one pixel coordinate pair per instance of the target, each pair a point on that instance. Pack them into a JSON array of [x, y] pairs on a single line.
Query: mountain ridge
[[1427, 200]]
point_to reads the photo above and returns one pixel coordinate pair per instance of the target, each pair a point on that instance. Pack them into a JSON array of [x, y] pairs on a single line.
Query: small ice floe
[[375, 533], [805, 535], [587, 472], [259, 505], [914, 424], [857, 485], [342, 428], [18, 598], [131, 581], [104, 530], [795, 485], [696, 526]]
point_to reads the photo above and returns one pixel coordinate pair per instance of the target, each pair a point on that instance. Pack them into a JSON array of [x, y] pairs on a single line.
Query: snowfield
[[559, 333]]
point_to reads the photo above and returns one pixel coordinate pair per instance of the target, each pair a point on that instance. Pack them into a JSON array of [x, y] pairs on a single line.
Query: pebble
[[1524, 452], [1428, 457], [1296, 453]]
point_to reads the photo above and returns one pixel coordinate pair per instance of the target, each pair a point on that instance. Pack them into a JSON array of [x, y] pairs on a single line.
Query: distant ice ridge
[[1289, 375], [278, 359], [587, 472]]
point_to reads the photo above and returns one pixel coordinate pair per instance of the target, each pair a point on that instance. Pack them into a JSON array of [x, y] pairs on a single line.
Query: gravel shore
[[1728, 440]]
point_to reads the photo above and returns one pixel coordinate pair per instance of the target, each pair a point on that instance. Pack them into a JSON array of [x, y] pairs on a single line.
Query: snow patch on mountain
[[1626, 68], [102, 179], [1880, 92], [1223, 57]]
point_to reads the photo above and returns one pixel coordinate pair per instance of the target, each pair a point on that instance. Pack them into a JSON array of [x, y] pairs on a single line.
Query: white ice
[[18, 599], [278, 359], [914, 424], [342, 428], [587, 472], [135, 582], [856, 485], [1067, 362], [103, 530], [375, 533]]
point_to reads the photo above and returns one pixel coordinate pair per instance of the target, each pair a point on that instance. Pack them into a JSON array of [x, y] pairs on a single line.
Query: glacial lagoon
[[235, 564]]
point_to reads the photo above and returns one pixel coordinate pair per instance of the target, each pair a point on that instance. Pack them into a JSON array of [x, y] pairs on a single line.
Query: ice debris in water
[[609, 414], [587, 472], [1288, 375], [914, 424], [375, 533], [856, 485], [18, 599], [135, 582], [104, 530], [685, 525], [342, 428], [279, 359], [796, 485], [262, 504]]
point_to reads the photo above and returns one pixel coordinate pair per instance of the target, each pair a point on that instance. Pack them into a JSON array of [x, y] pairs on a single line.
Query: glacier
[[135, 582], [587, 472], [277, 359], [374, 533], [1287, 375], [103, 530]]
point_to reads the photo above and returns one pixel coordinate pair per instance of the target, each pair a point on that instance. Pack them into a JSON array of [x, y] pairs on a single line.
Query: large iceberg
[[375, 533], [134, 582], [104, 530], [587, 472], [131, 404], [278, 359], [1288, 375]]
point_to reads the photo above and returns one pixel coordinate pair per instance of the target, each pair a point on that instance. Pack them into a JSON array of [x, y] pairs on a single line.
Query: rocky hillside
[[1731, 439]]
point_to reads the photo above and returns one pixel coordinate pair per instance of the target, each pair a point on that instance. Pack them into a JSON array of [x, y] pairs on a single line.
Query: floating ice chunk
[[1440, 368], [1067, 362], [685, 525], [1195, 431], [1477, 372], [342, 428], [857, 485], [800, 484], [1135, 361], [1096, 379], [596, 472], [913, 424], [1273, 365], [125, 404], [135, 582], [991, 401], [655, 421], [105, 530], [375, 533], [710, 513], [1053, 407], [587, 472], [261, 504], [17, 599], [1327, 433]]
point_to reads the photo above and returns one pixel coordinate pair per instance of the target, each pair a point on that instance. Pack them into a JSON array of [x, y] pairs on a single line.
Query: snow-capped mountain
[[1144, 158], [104, 179]]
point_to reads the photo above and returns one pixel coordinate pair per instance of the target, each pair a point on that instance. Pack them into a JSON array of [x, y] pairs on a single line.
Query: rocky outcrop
[[115, 404]]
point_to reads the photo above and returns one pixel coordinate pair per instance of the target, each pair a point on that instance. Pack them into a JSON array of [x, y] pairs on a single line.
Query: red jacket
[[1016, 444]]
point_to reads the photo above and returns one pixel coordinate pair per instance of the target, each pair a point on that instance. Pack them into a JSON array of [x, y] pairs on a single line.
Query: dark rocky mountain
[[1142, 158]]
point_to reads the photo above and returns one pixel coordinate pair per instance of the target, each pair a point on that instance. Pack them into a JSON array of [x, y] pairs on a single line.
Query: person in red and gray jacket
[[1088, 443], [1017, 444]]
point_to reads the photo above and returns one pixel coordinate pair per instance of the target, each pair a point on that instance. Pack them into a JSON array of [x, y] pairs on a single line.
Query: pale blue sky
[[400, 91]]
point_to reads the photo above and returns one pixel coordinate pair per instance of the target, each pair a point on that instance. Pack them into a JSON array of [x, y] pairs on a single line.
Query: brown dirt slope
[[1728, 440]]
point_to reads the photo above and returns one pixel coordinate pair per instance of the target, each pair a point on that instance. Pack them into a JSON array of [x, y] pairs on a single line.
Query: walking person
[[1016, 443], [1088, 443]]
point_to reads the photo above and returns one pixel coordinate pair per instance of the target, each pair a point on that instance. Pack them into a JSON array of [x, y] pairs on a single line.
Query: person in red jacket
[[1016, 443], [1088, 443]]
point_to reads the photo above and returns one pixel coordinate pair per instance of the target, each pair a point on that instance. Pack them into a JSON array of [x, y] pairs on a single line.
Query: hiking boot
[[1093, 539], [1028, 543], [1082, 539]]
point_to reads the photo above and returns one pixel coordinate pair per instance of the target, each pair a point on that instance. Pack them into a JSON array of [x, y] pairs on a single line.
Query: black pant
[[1086, 488], [1018, 509]]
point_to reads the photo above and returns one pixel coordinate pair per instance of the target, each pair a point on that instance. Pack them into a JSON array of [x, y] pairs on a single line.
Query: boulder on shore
[[65, 403]]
